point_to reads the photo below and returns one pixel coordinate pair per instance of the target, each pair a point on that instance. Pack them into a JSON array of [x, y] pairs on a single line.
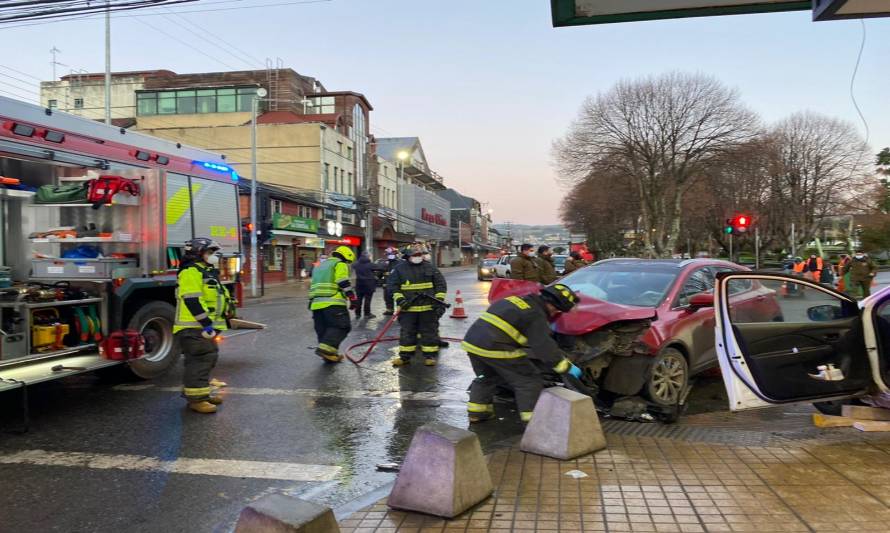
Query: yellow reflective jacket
[[199, 281], [330, 283]]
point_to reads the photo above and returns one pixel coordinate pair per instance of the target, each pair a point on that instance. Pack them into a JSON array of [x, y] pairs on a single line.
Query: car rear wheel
[[668, 378]]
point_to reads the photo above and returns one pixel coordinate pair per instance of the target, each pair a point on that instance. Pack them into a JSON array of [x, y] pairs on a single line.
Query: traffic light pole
[[730, 248], [254, 255], [756, 248]]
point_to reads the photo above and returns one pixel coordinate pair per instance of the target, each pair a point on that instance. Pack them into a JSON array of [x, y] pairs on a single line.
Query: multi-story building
[[470, 228], [83, 93]]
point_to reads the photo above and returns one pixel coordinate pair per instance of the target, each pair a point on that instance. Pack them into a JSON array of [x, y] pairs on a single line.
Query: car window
[[641, 286], [738, 286], [701, 280], [785, 301]]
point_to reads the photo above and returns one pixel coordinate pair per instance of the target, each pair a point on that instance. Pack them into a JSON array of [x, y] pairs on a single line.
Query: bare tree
[[819, 169], [660, 132]]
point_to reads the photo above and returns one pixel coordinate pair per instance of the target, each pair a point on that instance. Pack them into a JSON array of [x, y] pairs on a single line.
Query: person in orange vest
[[843, 277], [813, 268]]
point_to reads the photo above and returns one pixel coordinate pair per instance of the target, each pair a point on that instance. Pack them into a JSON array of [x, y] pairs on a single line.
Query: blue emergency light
[[216, 167]]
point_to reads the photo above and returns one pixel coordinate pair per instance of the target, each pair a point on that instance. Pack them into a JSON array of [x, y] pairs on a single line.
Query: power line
[[175, 38], [42, 10], [251, 59]]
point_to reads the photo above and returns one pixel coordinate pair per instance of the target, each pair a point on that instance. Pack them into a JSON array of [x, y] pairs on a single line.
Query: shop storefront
[[286, 253], [337, 234], [432, 225]]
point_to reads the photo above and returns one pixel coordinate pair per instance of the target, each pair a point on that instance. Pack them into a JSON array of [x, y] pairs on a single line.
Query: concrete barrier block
[[443, 474], [564, 426], [277, 513]]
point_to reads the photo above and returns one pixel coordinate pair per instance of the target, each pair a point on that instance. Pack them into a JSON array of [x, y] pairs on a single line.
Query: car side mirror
[[825, 313], [701, 300]]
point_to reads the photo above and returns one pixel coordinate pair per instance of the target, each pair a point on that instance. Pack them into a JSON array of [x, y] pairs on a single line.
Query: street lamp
[[401, 156], [254, 255]]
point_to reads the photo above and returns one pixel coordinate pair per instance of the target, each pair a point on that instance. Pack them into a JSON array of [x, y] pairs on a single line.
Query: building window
[[303, 211], [276, 206], [349, 152], [78, 103], [322, 105], [326, 179], [339, 148], [190, 101], [52, 104], [336, 179], [349, 184]]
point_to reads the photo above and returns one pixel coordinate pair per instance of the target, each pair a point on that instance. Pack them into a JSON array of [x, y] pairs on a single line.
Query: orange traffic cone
[[458, 311]]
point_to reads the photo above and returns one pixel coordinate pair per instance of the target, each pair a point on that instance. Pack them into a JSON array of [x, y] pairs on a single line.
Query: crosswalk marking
[[182, 465], [434, 396]]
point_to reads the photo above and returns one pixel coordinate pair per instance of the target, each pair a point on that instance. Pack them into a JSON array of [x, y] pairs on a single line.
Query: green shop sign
[[294, 223]]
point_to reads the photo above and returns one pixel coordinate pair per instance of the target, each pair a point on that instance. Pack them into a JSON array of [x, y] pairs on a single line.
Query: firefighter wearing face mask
[[503, 339], [416, 285], [329, 296], [203, 306]]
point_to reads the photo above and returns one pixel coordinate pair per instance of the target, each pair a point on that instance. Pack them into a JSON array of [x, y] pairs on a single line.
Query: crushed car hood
[[589, 315]]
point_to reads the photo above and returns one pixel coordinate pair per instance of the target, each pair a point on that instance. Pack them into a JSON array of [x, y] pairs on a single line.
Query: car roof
[[678, 263]]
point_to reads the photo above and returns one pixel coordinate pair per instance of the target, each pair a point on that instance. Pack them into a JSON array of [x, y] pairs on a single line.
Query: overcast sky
[[486, 85]]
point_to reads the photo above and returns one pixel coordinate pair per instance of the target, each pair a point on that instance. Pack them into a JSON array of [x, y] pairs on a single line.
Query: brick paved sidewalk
[[663, 485]]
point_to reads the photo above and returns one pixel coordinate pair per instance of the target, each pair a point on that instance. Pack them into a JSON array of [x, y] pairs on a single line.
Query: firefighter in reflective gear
[[503, 339], [203, 306], [416, 285], [329, 296]]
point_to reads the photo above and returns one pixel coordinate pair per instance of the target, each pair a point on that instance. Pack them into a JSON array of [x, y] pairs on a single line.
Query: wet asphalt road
[[125, 455]]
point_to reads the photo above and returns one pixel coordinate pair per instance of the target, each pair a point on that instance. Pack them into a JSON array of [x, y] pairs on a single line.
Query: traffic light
[[738, 225], [264, 232], [246, 228]]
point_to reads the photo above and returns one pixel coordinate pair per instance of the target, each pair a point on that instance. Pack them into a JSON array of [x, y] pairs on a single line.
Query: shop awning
[[288, 233]]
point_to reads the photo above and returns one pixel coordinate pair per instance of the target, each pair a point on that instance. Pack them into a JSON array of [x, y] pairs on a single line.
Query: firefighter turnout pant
[[332, 325], [519, 374], [199, 359], [422, 326]]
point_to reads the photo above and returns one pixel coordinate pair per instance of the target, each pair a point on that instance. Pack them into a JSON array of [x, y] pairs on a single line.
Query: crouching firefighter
[[503, 339], [329, 295], [416, 285], [203, 305]]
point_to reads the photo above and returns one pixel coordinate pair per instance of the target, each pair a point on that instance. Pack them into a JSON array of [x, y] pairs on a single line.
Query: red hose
[[380, 338]]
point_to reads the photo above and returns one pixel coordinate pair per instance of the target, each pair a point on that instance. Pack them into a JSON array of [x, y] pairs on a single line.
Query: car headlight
[[485, 271]]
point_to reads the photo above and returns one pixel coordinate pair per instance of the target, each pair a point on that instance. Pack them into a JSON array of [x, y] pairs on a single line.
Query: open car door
[[798, 342]]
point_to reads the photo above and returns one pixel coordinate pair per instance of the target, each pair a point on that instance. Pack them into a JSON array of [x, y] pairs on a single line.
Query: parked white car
[[823, 347], [502, 267]]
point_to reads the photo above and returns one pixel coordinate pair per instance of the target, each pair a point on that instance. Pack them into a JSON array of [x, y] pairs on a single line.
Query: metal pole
[[108, 62], [730, 247], [254, 253], [756, 248], [793, 242]]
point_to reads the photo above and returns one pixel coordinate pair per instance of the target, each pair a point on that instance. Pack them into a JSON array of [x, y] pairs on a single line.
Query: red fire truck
[[76, 270]]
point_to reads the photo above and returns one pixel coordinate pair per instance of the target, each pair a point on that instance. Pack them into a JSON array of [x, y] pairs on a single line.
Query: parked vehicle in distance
[[642, 328], [559, 263], [502, 267], [485, 269]]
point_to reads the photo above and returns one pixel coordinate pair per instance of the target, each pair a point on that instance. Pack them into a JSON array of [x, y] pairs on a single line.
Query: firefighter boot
[[328, 357], [398, 361], [217, 383], [203, 407], [478, 412], [430, 361], [216, 400]]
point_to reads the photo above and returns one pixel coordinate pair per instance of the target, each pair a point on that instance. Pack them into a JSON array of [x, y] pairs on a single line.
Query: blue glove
[[575, 372], [208, 332]]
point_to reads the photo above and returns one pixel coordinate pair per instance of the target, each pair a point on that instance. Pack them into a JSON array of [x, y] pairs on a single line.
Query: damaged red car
[[643, 328]]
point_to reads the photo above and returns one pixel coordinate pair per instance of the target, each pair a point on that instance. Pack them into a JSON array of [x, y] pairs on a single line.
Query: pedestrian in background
[[365, 285], [523, 265], [392, 259], [813, 268], [843, 277], [546, 267], [573, 263], [862, 272]]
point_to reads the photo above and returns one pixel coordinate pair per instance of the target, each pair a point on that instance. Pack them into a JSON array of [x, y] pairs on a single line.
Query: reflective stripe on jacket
[[512, 328], [200, 281], [327, 288], [414, 283]]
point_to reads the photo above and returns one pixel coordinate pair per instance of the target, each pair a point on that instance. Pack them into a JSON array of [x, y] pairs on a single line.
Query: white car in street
[[502, 267], [824, 347]]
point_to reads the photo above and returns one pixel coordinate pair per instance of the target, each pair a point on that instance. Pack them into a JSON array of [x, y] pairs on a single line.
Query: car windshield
[[559, 260], [640, 285], [489, 262]]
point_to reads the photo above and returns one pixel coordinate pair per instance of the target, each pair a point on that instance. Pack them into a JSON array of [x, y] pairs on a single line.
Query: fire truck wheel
[[155, 321]]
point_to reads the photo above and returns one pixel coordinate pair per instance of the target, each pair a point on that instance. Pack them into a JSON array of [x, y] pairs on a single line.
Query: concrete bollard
[[444, 473], [277, 513], [564, 426]]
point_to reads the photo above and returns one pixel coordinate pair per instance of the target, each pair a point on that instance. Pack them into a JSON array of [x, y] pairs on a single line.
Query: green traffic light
[[727, 230]]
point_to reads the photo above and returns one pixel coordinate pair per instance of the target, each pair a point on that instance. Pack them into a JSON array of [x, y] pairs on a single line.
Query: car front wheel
[[668, 378]]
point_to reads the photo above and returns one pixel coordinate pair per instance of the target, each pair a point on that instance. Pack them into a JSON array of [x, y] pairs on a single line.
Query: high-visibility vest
[[325, 290], [201, 281]]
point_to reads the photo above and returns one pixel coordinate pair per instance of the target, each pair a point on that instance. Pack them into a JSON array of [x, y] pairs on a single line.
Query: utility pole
[[54, 63], [793, 242], [730, 248], [756, 248], [254, 254], [107, 61]]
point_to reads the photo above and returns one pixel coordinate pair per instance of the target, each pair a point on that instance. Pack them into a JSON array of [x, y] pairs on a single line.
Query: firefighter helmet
[[345, 253], [199, 245], [560, 296]]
